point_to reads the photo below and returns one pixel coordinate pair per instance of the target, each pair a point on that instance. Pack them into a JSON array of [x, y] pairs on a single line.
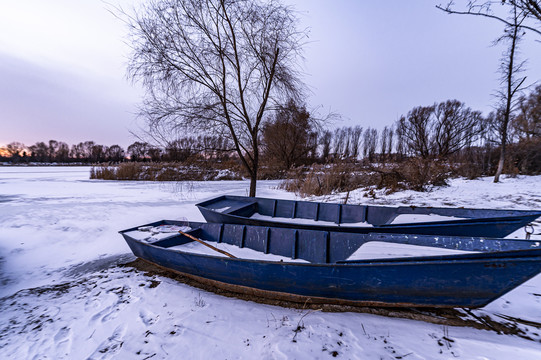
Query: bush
[[323, 180], [102, 172], [525, 157], [128, 171], [419, 174]]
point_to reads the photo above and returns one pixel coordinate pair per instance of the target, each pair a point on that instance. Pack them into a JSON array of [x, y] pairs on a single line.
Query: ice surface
[[63, 295]]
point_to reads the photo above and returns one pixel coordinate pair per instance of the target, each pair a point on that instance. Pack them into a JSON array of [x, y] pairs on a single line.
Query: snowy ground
[[63, 295]]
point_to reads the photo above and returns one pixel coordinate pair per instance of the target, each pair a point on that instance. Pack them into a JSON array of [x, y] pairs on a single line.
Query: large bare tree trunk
[[253, 183]]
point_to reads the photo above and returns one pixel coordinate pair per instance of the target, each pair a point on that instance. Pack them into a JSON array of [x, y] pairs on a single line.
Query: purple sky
[[62, 65]]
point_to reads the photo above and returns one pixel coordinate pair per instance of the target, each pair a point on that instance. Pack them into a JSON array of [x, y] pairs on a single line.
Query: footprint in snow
[[105, 314], [109, 347], [148, 318], [62, 341]]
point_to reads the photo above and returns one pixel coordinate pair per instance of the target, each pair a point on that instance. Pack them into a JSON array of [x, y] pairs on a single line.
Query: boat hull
[[469, 280], [340, 218]]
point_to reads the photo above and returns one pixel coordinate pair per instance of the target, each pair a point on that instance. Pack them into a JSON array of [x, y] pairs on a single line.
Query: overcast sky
[[62, 65]]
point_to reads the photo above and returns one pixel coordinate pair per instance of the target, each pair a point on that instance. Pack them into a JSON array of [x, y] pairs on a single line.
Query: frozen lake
[[62, 295]]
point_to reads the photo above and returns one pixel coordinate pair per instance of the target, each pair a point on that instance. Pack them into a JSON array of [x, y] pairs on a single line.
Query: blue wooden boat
[[364, 218], [329, 274]]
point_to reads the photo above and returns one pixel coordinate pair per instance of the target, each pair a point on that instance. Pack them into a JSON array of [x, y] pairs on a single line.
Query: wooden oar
[[207, 245]]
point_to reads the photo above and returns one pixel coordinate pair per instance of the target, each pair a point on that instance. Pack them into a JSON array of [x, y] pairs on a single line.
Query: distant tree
[[287, 137], [88, 150], [325, 141], [313, 141], [76, 152], [138, 151], [400, 141], [356, 134], [115, 153], [339, 143], [181, 149], [215, 65], [439, 130], [155, 153], [384, 142], [15, 151], [415, 131], [39, 152], [62, 152], [455, 126], [390, 139], [215, 146], [370, 144], [527, 123], [97, 153], [51, 153]]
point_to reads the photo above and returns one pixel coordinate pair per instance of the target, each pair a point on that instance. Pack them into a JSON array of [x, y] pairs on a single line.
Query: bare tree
[[215, 65], [287, 137], [39, 152], [370, 143], [15, 150], [338, 144], [390, 140], [53, 146], [455, 127], [115, 153], [326, 140], [512, 83], [400, 141], [522, 15], [439, 130], [138, 151], [527, 123], [384, 142], [356, 134], [529, 10], [415, 130]]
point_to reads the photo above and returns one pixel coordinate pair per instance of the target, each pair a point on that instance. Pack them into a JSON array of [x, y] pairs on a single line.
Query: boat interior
[[316, 246], [344, 214]]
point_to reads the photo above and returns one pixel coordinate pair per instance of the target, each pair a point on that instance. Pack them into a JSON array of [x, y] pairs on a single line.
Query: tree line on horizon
[[447, 131], [89, 152]]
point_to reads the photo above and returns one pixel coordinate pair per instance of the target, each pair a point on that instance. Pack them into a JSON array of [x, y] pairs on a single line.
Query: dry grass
[[326, 179], [160, 172]]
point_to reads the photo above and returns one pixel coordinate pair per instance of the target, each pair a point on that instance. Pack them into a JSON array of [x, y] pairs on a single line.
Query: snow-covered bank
[[63, 297]]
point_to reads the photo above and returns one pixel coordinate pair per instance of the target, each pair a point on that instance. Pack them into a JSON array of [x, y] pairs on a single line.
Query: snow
[[400, 219], [259, 216], [382, 250], [63, 294], [241, 253], [413, 218]]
